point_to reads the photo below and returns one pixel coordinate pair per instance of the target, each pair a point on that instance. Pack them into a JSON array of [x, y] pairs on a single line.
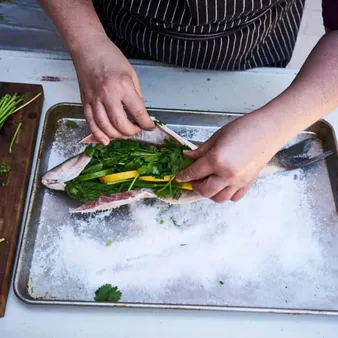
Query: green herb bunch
[[126, 155]]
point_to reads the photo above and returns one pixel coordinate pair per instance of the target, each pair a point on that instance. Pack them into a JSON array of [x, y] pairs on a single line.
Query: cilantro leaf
[[90, 151], [175, 222], [4, 169], [71, 124], [107, 293]]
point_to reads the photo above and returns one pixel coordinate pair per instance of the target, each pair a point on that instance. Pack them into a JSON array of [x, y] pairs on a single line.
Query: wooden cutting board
[[13, 193]]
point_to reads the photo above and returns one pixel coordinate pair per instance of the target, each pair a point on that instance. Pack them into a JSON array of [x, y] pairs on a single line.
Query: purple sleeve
[[330, 13]]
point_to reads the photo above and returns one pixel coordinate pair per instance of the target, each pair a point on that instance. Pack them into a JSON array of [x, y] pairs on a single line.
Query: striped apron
[[204, 34]]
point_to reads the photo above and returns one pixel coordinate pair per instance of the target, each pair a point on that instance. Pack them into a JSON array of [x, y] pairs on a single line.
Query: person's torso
[[197, 16], [230, 34]]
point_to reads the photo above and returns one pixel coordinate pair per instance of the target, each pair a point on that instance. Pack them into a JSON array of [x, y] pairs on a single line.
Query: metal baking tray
[[274, 251]]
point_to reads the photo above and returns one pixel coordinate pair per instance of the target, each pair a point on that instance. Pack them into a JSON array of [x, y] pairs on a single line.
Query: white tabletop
[[171, 88]]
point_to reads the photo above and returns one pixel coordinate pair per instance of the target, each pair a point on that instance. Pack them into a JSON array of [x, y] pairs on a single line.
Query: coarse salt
[[266, 250]]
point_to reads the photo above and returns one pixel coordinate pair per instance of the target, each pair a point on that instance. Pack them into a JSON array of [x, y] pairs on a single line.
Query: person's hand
[[107, 81], [229, 162]]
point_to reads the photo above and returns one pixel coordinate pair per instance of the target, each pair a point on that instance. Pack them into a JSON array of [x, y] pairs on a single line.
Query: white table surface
[[172, 88]]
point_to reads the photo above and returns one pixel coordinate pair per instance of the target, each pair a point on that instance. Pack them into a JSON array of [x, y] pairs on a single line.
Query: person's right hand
[[107, 81]]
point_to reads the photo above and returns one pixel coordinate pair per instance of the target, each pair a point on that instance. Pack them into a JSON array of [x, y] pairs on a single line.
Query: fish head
[[66, 171], [52, 181]]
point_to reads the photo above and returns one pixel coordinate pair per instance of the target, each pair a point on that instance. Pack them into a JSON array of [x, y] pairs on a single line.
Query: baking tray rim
[[26, 219]]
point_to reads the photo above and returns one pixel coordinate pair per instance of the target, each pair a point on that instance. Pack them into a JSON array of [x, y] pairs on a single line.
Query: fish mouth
[[54, 184]]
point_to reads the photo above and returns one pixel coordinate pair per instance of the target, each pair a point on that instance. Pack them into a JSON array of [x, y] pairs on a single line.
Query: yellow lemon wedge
[[119, 176], [186, 186], [154, 179], [133, 173]]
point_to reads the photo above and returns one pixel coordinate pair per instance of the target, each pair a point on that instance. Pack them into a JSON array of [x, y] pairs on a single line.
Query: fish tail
[[299, 155]]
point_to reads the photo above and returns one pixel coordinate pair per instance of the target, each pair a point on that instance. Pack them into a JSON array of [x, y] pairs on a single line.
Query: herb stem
[[133, 182], [7, 106], [27, 103], [14, 137], [168, 184]]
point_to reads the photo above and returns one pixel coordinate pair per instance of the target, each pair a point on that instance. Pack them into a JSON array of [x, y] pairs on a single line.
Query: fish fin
[[297, 155], [301, 162], [299, 149]]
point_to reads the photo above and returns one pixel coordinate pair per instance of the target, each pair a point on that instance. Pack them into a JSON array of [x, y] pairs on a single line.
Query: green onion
[[2, 240], [96, 174], [133, 182], [168, 184], [8, 105], [93, 168], [118, 182], [27, 103], [14, 137]]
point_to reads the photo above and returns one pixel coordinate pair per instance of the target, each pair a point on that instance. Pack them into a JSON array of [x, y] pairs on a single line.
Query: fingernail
[[186, 151], [106, 141], [178, 180]]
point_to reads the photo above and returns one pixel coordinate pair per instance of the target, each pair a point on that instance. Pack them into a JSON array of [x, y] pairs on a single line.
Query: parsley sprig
[[125, 155], [4, 170], [107, 293]]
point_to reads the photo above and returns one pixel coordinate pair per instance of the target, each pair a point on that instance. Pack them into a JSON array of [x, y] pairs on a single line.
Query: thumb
[[198, 170], [197, 153]]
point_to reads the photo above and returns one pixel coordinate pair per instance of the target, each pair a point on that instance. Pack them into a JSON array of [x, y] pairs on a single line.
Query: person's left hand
[[229, 162]]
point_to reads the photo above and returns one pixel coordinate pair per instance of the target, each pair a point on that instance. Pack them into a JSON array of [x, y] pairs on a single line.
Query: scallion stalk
[[14, 137]]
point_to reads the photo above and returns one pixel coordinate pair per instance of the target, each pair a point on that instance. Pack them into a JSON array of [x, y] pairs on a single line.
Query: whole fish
[[290, 158]]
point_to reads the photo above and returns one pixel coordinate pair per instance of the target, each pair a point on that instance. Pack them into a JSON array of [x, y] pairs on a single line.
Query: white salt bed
[[275, 248], [254, 246]]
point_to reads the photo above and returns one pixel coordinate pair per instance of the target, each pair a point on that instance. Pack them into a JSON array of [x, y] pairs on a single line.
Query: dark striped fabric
[[204, 34], [330, 14]]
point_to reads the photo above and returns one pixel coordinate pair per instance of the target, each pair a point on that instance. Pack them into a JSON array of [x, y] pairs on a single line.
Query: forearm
[[313, 93], [76, 20]]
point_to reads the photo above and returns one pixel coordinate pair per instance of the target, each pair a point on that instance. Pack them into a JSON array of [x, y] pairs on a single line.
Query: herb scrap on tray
[[71, 124], [4, 170], [127, 164], [107, 293]]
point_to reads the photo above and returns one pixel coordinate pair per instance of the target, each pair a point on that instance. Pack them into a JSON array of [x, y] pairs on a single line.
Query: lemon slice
[[133, 173], [154, 179], [119, 176], [186, 186]]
